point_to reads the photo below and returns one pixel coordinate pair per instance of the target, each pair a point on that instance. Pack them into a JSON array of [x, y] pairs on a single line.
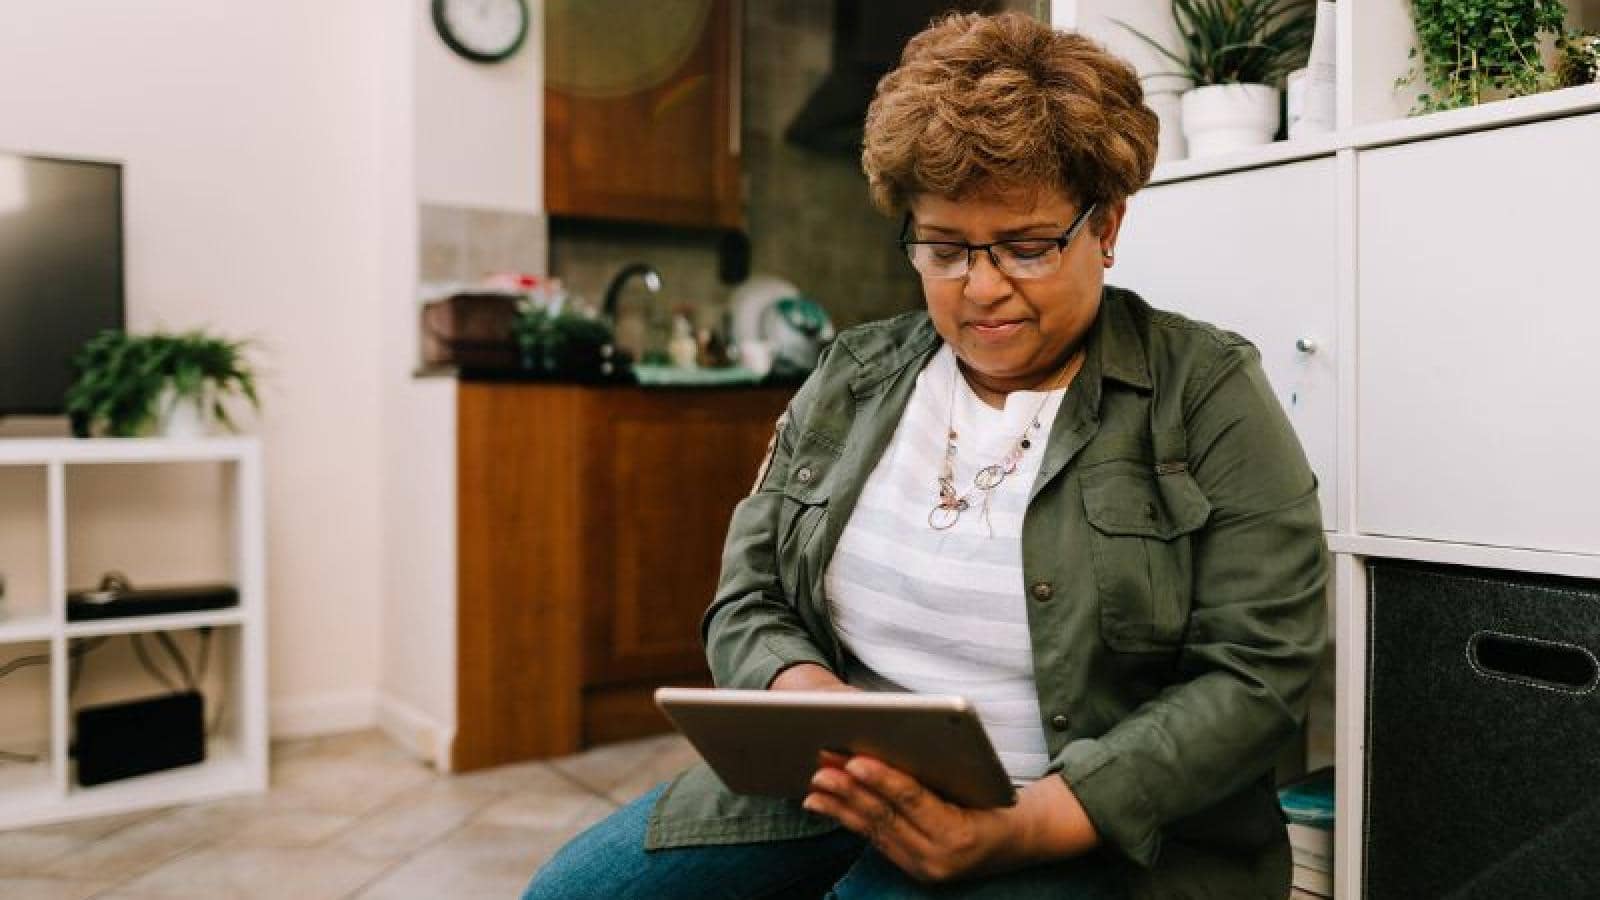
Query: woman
[[1087, 515]]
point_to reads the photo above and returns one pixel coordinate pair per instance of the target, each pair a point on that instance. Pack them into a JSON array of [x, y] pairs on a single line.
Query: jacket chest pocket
[[1140, 535], [800, 523], [803, 513]]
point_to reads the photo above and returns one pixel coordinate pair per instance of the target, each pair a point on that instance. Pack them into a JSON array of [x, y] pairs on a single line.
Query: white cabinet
[[50, 504], [1254, 253], [1453, 261], [1479, 371]]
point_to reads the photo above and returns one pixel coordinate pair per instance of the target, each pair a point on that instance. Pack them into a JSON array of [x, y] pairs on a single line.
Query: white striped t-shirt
[[944, 612]]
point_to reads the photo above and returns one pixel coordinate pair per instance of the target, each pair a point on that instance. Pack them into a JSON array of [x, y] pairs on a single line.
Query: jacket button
[[1150, 511], [803, 475], [1059, 723], [1043, 591]]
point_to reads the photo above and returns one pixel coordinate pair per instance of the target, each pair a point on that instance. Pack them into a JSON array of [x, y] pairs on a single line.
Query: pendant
[[943, 517], [989, 477]]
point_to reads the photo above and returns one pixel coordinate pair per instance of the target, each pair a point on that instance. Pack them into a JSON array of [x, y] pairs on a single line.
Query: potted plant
[[562, 344], [172, 385], [1580, 60], [1234, 52], [1478, 50]]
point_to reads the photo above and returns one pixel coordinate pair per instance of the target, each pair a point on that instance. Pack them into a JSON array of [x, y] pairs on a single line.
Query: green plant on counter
[[1477, 50], [1237, 41], [1580, 60], [121, 376], [563, 344]]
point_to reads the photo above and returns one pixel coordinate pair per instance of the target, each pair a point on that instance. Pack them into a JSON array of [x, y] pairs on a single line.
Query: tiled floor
[[347, 816]]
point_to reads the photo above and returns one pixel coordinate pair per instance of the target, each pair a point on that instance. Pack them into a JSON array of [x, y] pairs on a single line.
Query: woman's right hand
[[808, 677]]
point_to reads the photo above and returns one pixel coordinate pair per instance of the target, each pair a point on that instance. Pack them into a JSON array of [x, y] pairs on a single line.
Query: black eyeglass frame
[[1061, 243]]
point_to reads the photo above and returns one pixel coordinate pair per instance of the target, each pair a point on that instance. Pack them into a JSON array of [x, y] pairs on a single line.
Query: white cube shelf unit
[[36, 546], [1423, 293], [1375, 38]]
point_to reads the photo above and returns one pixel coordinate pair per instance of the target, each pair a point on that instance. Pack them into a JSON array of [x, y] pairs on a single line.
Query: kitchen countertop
[[519, 376]]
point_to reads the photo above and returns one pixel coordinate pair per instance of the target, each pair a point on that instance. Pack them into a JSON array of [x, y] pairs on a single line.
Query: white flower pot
[[184, 417], [1222, 118]]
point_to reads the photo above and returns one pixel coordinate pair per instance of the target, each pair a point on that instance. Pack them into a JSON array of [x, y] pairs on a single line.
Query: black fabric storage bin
[[1483, 735]]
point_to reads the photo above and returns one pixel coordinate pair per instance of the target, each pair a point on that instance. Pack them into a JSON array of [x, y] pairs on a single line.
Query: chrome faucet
[[652, 281]]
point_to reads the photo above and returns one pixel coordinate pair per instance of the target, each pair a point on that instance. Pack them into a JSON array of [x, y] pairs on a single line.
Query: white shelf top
[[40, 451], [24, 783], [1254, 158], [161, 622], [1516, 111], [26, 627], [37, 801], [1578, 565]]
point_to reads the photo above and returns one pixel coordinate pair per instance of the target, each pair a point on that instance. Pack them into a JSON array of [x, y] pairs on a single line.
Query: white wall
[[275, 154], [480, 129], [249, 132], [463, 135]]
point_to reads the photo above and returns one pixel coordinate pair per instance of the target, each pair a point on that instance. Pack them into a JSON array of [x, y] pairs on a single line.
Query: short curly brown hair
[[997, 103]]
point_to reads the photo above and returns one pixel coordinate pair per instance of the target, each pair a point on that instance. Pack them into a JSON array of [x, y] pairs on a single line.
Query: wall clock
[[485, 31]]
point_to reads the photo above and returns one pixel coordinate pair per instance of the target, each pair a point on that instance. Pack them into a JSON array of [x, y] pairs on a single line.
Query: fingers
[[903, 794], [854, 796], [831, 759], [924, 836]]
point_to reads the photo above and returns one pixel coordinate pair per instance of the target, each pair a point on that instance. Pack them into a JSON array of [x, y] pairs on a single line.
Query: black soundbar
[[116, 603]]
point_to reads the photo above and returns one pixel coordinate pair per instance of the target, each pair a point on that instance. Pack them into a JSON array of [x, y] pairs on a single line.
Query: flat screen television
[[61, 278]]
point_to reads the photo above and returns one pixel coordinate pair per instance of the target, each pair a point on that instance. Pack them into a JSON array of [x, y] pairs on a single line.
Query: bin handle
[[1548, 665]]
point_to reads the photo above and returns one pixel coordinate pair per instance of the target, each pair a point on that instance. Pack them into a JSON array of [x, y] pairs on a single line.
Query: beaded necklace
[[950, 505]]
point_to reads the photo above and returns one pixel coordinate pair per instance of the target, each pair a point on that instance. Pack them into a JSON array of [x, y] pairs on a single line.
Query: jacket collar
[[1113, 348], [1115, 341], [888, 348]]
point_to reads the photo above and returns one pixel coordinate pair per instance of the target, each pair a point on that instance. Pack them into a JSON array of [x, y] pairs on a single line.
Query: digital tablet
[[767, 742]]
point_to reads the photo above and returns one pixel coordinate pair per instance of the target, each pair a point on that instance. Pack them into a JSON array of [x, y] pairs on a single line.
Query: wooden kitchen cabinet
[[590, 524], [642, 112]]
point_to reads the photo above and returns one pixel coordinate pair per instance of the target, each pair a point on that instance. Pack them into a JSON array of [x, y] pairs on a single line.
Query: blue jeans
[[609, 862]]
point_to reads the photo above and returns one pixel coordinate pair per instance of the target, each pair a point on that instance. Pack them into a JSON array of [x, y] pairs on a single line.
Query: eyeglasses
[[1017, 258]]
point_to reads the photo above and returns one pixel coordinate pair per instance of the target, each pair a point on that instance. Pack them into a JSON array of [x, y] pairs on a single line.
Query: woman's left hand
[[929, 839]]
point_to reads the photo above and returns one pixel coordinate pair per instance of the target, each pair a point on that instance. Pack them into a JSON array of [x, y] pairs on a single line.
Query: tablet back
[[767, 742]]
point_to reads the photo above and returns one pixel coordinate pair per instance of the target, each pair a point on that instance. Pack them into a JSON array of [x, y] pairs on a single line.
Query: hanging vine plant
[[1477, 50]]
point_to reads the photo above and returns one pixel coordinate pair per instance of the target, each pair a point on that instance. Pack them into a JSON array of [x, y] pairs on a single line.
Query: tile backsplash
[[458, 243], [586, 255]]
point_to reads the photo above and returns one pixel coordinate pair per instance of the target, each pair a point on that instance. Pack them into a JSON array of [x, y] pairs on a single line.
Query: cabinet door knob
[[1306, 346]]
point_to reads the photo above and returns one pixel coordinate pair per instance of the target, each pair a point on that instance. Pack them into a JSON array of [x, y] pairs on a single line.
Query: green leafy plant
[[1580, 60], [1473, 50], [1237, 41], [120, 377], [564, 343]]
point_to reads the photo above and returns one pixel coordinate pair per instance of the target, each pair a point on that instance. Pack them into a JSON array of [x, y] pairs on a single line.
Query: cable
[[150, 666], [205, 654], [178, 659], [76, 651], [201, 667], [216, 714], [23, 661]]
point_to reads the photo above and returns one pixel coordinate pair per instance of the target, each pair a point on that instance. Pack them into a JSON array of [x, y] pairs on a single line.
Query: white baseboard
[[324, 714], [427, 739]]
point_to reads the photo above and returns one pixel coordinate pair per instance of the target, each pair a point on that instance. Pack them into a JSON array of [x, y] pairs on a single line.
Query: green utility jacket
[[1175, 571]]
